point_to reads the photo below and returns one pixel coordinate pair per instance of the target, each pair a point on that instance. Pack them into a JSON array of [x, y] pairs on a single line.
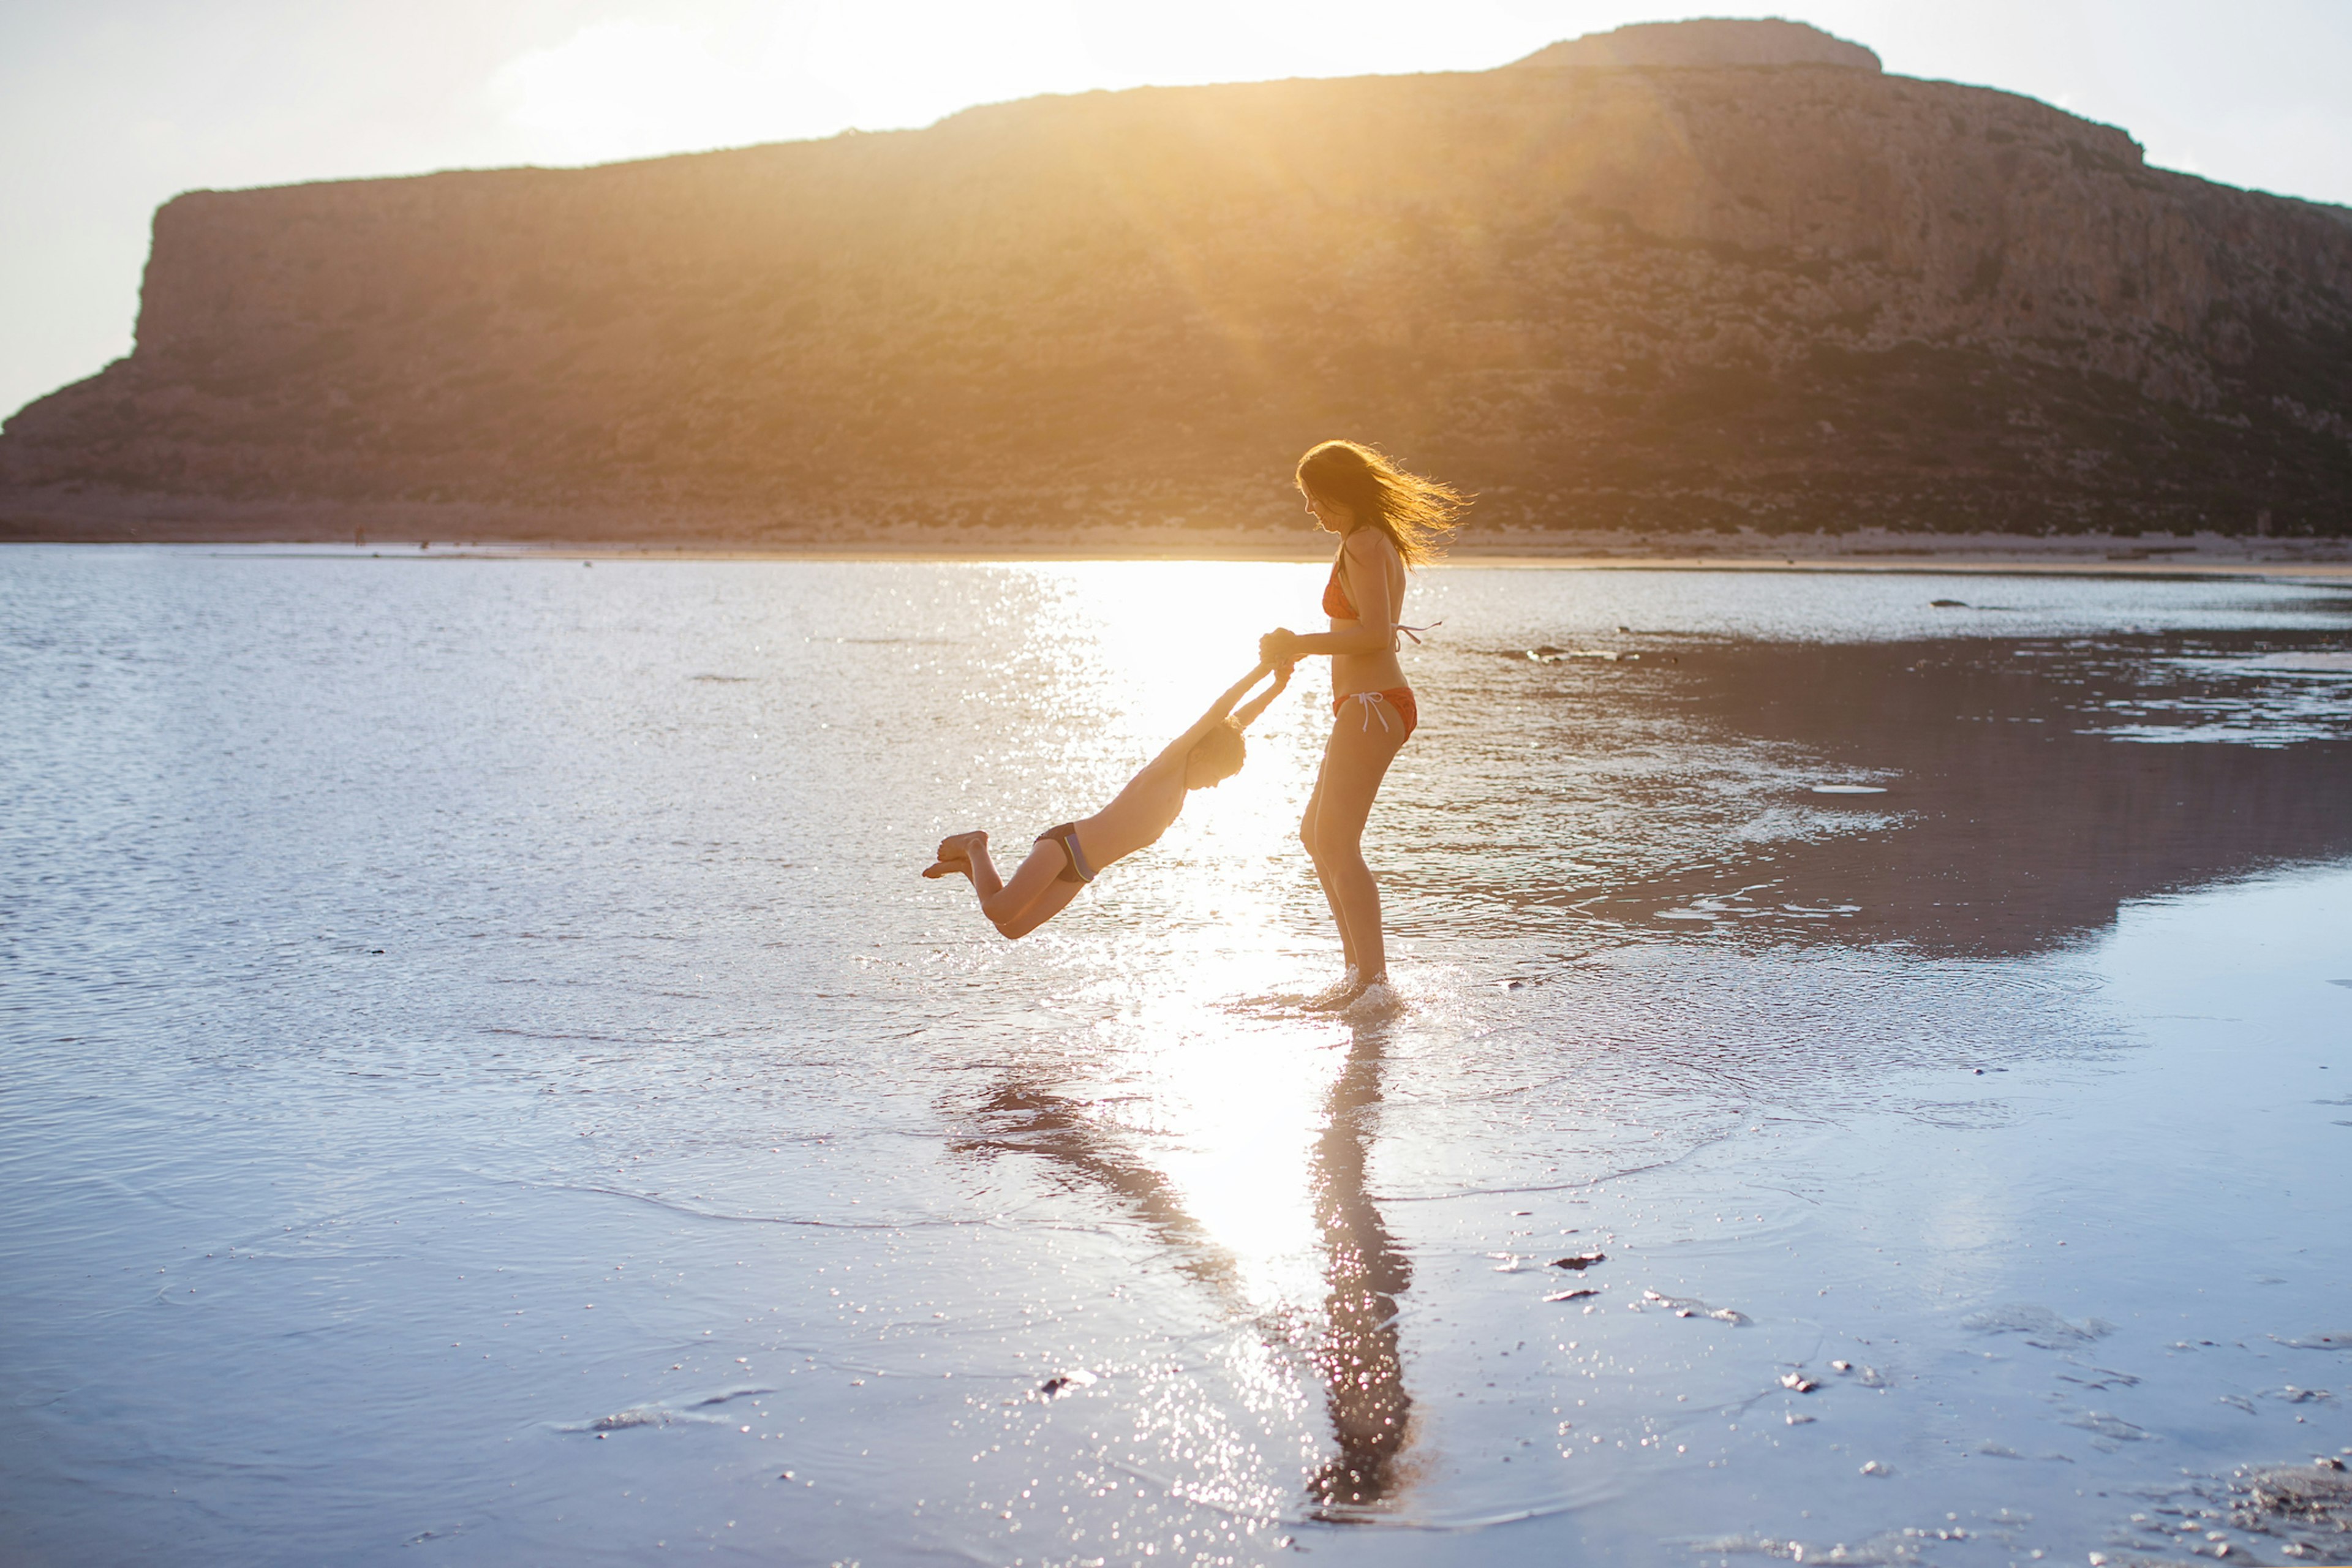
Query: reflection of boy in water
[[1068, 856]]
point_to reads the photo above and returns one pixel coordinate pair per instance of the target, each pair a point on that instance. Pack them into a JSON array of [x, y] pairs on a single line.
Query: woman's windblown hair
[[1415, 514]]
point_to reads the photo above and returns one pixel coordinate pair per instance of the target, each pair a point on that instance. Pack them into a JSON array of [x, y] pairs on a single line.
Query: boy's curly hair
[[1221, 752]]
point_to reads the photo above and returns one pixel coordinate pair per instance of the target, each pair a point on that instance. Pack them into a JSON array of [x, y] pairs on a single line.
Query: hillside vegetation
[[1796, 296]]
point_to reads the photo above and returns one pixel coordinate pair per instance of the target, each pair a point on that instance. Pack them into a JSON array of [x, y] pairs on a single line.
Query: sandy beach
[[487, 1084], [2209, 555]]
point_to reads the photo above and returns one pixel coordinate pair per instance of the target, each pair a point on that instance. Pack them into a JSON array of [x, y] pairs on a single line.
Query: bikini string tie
[[1371, 702], [1414, 631]]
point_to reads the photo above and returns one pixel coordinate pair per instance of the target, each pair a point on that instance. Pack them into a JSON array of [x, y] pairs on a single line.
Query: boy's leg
[[1035, 894], [967, 853]]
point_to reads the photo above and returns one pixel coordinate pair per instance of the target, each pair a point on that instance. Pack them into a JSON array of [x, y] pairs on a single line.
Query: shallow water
[[484, 1083]]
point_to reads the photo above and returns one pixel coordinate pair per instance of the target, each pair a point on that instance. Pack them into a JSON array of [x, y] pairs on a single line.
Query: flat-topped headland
[[1706, 276]]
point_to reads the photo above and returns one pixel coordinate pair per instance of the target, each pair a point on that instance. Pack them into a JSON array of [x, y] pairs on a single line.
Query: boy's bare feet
[[955, 854]]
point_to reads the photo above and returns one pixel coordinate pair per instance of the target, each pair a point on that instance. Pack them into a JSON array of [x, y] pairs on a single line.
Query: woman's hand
[[1278, 647]]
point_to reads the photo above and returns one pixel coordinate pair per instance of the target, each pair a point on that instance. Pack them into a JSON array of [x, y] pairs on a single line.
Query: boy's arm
[[1233, 693], [1246, 714], [1215, 716]]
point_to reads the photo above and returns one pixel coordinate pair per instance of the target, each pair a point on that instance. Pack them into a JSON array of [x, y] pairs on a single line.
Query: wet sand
[[485, 1081]]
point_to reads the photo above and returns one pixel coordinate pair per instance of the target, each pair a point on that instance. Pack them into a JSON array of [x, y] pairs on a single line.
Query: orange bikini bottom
[[1375, 705]]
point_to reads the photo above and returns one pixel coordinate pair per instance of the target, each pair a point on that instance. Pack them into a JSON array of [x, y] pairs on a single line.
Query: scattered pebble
[[1580, 1260], [1577, 1295], [1874, 1469], [1797, 1381], [1841, 1366], [1690, 1307]]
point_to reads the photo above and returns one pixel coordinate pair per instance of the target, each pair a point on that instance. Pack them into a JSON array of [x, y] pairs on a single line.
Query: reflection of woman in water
[[1389, 521], [1065, 857], [1364, 1272]]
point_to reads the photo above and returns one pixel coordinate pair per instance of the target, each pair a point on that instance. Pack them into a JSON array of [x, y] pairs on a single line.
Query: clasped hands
[[1279, 648]]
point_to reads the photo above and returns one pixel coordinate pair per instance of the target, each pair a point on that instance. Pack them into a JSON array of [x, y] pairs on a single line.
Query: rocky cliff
[[1789, 295]]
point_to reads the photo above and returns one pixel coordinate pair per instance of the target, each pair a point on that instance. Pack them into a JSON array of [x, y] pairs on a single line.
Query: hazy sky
[[109, 107]]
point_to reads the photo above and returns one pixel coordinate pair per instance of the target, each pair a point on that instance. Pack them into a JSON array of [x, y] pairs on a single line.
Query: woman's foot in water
[[1342, 993], [955, 854]]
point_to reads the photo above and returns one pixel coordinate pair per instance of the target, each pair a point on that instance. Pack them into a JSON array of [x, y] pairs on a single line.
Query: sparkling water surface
[[482, 1080]]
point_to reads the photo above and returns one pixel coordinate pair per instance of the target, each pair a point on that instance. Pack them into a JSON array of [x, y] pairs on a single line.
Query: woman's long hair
[[1414, 512]]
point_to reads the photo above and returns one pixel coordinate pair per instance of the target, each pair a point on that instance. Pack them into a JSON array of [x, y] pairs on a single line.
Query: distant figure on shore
[[1067, 858], [1388, 522]]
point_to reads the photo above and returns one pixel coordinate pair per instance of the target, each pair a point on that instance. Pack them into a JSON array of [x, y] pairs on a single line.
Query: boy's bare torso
[[1137, 816]]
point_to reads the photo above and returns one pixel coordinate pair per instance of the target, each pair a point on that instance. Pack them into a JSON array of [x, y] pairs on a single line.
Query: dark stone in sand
[[1580, 1260], [2296, 1502]]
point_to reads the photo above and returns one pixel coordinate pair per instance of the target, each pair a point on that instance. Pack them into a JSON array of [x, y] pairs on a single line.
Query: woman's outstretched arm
[[1374, 632]]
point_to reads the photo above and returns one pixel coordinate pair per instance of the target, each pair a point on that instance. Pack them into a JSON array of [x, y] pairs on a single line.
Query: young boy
[[1067, 858]]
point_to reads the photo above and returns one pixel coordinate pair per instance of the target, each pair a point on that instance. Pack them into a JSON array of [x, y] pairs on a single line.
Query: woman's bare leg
[[1355, 760], [1330, 894]]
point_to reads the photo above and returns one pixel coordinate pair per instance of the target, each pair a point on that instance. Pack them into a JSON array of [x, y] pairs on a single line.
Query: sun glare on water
[[1238, 1117]]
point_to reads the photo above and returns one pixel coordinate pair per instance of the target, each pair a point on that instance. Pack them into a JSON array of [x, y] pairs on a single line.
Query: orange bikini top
[[1336, 603], [1340, 607]]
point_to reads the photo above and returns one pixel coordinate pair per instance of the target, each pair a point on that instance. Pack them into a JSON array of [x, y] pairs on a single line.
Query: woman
[[1388, 522]]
